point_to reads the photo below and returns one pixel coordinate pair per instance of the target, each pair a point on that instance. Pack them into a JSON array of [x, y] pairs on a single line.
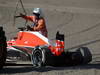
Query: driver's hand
[[17, 16], [21, 14]]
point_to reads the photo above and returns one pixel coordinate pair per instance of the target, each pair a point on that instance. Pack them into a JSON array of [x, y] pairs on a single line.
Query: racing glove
[[21, 15]]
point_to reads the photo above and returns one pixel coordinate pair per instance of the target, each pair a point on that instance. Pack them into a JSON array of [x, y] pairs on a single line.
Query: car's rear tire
[[41, 56], [3, 50]]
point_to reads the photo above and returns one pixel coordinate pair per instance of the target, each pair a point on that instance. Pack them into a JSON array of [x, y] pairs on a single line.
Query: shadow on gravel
[[25, 68], [81, 67]]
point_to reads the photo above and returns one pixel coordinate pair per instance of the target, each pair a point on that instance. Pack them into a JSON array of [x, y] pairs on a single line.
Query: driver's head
[[37, 12]]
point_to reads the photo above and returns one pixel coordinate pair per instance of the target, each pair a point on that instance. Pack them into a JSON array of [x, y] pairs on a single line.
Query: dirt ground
[[79, 20]]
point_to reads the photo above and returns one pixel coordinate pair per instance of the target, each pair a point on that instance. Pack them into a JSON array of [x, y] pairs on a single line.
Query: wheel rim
[[37, 58]]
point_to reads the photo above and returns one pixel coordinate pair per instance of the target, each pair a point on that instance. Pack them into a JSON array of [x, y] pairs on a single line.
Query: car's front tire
[[3, 50]]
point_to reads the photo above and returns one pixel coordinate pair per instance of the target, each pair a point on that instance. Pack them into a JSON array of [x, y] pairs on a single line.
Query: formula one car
[[43, 53]]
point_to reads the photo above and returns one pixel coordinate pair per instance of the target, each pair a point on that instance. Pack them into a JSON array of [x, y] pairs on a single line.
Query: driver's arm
[[40, 25], [30, 18]]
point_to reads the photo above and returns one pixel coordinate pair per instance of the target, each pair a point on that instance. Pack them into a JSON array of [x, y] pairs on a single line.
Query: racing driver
[[37, 20]]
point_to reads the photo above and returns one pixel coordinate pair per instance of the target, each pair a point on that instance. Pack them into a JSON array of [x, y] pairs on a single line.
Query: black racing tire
[[86, 54], [73, 58], [41, 56], [3, 49], [76, 58], [81, 56]]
